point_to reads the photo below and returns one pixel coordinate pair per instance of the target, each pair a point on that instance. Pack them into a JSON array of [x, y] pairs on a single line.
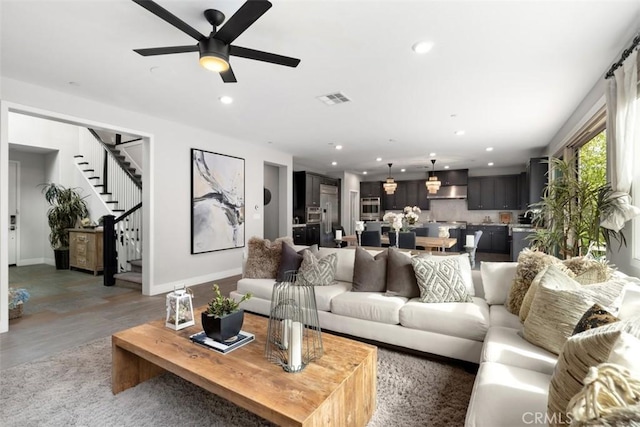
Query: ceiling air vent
[[334, 98]]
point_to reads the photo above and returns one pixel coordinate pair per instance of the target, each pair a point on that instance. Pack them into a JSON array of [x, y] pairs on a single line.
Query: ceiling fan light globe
[[214, 63]]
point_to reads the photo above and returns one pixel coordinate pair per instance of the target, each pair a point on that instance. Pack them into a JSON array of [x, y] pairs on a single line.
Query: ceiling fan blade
[[259, 55], [166, 50], [242, 19], [228, 76], [169, 17]]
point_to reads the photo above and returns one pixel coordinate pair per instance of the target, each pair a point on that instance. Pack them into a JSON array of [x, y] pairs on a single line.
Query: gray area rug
[[73, 388]]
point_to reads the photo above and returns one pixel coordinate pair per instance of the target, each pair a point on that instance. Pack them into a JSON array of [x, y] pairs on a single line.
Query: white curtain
[[623, 136]]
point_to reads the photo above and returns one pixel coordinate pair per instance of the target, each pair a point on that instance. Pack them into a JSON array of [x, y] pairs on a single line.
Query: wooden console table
[[85, 249]]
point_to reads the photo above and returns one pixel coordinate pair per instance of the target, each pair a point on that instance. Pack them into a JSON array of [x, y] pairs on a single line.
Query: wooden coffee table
[[338, 389]]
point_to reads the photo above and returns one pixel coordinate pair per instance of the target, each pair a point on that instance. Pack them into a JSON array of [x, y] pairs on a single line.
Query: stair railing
[[122, 242]]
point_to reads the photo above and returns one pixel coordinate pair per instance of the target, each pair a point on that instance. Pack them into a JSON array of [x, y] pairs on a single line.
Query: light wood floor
[[68, 308]]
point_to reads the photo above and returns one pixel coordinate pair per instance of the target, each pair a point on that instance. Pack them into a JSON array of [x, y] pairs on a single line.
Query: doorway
[[354, 209]]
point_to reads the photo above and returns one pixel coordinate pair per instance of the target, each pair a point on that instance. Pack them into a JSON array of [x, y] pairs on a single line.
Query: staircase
[[120, 188]]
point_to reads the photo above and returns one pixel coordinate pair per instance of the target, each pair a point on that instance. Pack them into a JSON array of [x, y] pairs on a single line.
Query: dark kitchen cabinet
[[506, 192], [371, 189], [313, 234], [299, 235], [494, 238], [523, 192], [537, 171], [481, 193], [306, 192], [312, 187], [411, 190], [397, 200], [453, 177], [422, 201]]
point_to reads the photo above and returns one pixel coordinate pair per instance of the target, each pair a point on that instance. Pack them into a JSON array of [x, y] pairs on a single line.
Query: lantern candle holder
[[180, 309], [294, 338], [359, 229]]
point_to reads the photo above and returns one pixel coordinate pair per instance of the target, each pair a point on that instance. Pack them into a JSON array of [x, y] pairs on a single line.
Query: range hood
[[450, 192]]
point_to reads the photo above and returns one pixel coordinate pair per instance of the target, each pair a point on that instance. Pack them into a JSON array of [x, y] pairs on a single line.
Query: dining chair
[[421, 231], [373, 226], [371, 238], [406, 240]]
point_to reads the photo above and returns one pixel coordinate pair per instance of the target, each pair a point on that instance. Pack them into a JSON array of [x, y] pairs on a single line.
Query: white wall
[[166, 199]]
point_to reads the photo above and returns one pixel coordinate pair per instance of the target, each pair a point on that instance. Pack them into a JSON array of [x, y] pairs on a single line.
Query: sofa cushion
[[439, 280], [291, 258], [594, 317], [558, 305], [346, 261], [530, 263], [630, 304], [470, 320], [507, 346], [374, 306], [589, 270], [369, 272], [617, 342], [401, 279], [263, 257], [497, 279], [528, 297], [464, 264], [507, 396], [499, 316], [317, 272], [263, 289]]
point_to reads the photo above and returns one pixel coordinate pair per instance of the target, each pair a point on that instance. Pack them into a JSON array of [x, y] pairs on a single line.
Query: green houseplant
[[569, 214], [66, 208], [223, 318]]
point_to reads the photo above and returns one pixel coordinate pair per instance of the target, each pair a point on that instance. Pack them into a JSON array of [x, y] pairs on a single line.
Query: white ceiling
[[511, 72]]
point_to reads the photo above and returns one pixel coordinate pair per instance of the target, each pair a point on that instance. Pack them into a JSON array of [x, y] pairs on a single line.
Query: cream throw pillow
[[440, 281], [559, 304], [317, 272], [464, 266], [528, 298], [617, 342]]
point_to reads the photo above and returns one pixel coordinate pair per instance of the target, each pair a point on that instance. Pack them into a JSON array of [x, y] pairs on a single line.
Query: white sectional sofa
[[511, 386]]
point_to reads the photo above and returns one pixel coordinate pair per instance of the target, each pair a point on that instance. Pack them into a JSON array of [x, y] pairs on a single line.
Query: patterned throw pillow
[[558, 305], [589, 270], [317, 272], [595, 317], [291, 260], [617, 342], [530, 263], [264, 257], [440, 281]]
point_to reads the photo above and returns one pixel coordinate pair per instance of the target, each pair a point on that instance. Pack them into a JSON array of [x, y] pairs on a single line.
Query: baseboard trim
[[170, 287]]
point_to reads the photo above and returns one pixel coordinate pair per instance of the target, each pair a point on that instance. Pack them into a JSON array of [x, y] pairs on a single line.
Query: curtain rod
[[624, 56]]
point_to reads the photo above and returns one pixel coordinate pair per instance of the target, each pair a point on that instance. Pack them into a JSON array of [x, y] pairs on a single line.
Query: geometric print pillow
[[317, 272], [440, 281]]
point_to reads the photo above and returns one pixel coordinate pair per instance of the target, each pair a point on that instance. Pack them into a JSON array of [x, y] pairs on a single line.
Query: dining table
[[429, 243]]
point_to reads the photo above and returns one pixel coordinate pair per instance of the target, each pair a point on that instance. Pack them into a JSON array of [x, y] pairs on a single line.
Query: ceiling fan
[[216, 48]]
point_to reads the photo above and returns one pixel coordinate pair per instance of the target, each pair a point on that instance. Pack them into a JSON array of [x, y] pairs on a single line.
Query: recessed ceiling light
[[490, 164], [364, 173], [453, 116], [334, 163], [446, 167], [74, 84], [392, 140], [432, 154], [489, 149], [338, 147], [459, 132], [378, 159], [403, 170], [226, 99], [422, 46]]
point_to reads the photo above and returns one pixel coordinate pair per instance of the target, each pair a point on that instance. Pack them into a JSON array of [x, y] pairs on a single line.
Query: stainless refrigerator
[[330, 214]]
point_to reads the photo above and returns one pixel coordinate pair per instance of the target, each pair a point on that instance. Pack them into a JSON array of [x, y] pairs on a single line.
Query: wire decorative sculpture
[[294, 338]]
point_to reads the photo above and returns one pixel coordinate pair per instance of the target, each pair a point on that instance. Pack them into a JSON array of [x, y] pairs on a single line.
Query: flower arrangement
[[395, 219], [412, 214], [17, 297]]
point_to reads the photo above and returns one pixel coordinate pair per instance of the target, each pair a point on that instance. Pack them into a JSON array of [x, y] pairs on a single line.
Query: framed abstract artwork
[[217, 201]]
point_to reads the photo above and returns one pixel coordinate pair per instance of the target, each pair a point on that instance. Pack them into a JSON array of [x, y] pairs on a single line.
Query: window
[[592, 160]]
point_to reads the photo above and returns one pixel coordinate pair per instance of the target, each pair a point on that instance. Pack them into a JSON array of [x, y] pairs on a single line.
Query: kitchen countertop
[[298, 225]]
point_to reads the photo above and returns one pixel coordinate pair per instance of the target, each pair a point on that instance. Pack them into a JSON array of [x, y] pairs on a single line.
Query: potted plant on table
[[67, 207], [223, 318]]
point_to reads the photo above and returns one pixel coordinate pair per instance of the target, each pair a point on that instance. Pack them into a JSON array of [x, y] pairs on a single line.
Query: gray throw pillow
[[317, 272], [401, 279], [440, 281], [290, 260], [369, 272]]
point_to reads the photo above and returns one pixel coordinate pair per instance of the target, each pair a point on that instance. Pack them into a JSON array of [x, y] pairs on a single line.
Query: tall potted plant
[[569, 214], [66, 208]]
